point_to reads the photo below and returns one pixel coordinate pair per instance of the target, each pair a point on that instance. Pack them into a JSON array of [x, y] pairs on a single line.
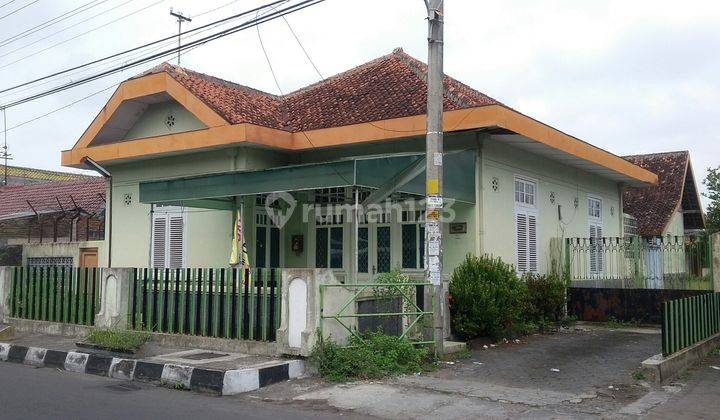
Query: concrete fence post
[[301, 310], [715, 243], [114, 295], [5, 286]]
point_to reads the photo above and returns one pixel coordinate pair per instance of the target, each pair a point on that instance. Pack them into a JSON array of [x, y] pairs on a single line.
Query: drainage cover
[[204, 356]]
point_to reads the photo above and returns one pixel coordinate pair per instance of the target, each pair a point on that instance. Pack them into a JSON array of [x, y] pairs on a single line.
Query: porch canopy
[[387, 174]]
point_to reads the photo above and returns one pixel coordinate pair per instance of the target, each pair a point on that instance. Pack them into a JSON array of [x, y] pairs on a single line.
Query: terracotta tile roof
[[39, 174], [87, 193], [391, 86], [654, 207]]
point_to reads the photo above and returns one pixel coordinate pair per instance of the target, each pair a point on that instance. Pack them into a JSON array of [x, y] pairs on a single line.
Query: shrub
[[373, 356], [546, 297], [487, 298]]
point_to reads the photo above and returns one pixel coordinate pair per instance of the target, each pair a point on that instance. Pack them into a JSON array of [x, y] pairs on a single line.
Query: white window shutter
[[599, 247], [159, 235], [521, 228], [176, 241], [532, 243]]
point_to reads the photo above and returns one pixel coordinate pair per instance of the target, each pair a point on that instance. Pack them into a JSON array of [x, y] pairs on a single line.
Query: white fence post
[[114, 290], [5, 286]]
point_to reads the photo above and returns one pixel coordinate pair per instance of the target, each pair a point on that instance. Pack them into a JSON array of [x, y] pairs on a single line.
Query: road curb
[[221, 382]]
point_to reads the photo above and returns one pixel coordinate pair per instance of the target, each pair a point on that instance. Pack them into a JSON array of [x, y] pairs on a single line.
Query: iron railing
[[215, 302], [670, 262], [57, 294], [689, 320]]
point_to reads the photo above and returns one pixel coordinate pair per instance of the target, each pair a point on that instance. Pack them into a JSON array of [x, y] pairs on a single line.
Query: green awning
[[216, 190]]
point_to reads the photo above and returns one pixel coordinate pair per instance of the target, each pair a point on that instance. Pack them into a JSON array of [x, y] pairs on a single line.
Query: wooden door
[[88, 257]]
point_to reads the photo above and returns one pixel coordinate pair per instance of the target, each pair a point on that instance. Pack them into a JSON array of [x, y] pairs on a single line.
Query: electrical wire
[[74, 37], [173, 37], [18, 9], [51, 22], [7, 3]]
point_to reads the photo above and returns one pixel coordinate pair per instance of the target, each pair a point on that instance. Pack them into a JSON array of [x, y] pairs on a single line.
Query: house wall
[[676, 227], [63, 249], [504, 162], [152, 122], [208, 231]]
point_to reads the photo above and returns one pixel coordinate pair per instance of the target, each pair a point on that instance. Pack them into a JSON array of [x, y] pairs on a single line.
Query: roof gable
[[655, 206]]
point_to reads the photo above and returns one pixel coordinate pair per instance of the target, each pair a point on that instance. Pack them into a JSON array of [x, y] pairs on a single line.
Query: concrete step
[[454, 347]]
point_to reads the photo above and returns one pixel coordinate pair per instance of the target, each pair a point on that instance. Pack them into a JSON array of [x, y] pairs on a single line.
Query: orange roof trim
[[382, 99]]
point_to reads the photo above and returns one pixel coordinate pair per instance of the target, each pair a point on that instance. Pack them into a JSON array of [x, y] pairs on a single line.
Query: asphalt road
[[44, 393]]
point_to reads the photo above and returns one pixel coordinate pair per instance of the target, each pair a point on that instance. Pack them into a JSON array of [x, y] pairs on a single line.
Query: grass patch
[[715, 351], [639, 375], [117, 340], [613, 322], [374, 356]]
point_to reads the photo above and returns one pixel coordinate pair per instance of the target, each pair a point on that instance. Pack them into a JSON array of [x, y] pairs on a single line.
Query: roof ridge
[[683, 152]]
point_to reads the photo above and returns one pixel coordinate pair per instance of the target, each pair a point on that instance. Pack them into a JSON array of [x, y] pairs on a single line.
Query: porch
[[356, 216]]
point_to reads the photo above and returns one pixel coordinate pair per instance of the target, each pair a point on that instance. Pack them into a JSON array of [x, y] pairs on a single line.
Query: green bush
[[373, 356], [117, 340], [487, 298], [546, 297]]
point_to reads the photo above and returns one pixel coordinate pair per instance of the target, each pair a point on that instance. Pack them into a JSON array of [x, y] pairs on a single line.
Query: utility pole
[[4, 153], [180, 19], [434, 169]]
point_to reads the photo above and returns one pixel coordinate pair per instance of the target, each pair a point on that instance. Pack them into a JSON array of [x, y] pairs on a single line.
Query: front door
[[268, 245], [374, 251]]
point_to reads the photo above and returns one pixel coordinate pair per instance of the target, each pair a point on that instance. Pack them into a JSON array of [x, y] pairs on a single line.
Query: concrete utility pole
[[4, 153], [180, 19], [433, 169]]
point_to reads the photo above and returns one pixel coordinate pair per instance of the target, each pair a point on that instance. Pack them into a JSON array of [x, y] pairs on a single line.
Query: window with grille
[[413, 238], [328, 240], [335, 195], [594, 208], [168, 237]]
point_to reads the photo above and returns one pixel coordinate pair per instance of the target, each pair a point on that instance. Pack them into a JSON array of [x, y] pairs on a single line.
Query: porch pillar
[[479, 220]]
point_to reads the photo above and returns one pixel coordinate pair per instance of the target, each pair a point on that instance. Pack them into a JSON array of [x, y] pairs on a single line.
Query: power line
[[105, 65], [216, 9], [51, 22], [291, 9], [74, 37], [7, 3], [173, 37], [18, 9]]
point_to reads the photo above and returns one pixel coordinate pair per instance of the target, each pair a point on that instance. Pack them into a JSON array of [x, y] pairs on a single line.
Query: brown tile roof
[[39, 174], [391, 86], [87, 193], [655, 206]]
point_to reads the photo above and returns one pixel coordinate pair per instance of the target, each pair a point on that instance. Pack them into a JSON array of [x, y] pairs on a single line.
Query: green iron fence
[[410, 312], [58, 294], [689, 320], [213, 302], [670, 262]]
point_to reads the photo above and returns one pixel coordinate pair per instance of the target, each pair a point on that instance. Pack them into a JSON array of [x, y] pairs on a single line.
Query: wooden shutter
[[521, 231], [176, 241], [599, 247], [159, 235], [532, 243]]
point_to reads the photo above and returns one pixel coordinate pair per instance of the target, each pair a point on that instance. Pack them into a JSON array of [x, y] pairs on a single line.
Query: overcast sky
[[628, 76]]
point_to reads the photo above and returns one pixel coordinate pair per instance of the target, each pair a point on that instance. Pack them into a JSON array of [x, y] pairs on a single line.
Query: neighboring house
[[18, 175], [57, 223], [672, 207], [669, 217], [185, 150]]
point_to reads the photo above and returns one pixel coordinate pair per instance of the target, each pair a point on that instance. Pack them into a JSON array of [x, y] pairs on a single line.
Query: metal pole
[[434, 173], [180, 19]]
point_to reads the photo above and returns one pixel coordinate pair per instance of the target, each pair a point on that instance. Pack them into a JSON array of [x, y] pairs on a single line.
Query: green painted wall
[[503, 162], [153, 121]]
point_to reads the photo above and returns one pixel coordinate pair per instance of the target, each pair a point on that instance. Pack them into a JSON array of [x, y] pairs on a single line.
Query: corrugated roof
[[39, 174]]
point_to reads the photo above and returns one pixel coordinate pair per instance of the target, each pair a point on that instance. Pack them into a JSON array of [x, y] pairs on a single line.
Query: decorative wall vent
[[127, 199], [552, 197], [170, 121], [495, 184]]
